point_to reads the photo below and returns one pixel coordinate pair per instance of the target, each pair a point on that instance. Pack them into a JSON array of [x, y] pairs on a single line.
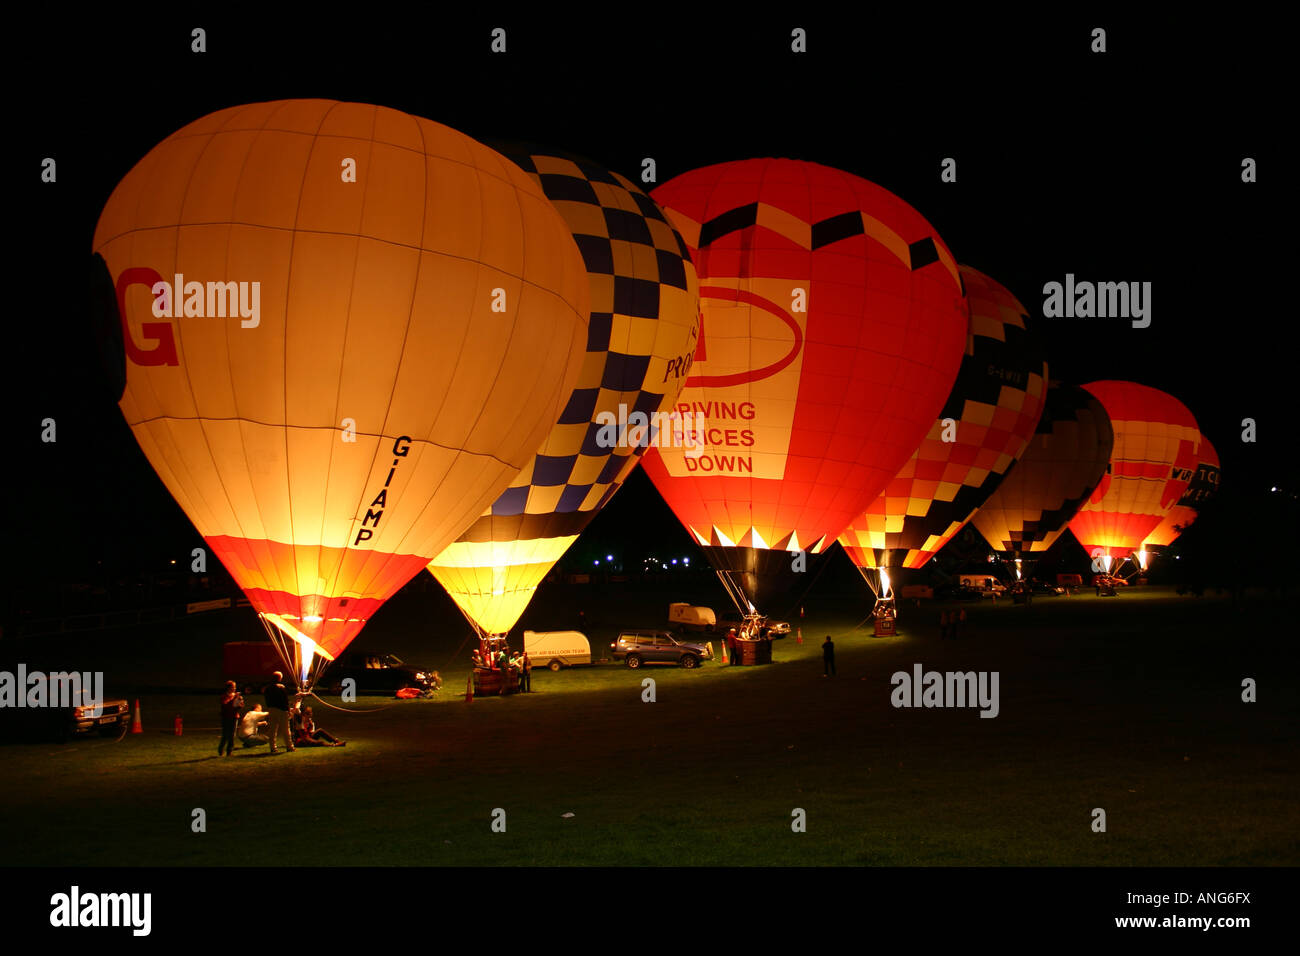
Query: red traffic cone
[[136, 726], [798, 635], [469, 689], [177, 725], [724, 654]]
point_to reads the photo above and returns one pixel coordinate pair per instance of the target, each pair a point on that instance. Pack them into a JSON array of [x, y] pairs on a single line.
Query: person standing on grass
[[731, 646], [230, 703], [526, 674], [277, 708], [828, 657]]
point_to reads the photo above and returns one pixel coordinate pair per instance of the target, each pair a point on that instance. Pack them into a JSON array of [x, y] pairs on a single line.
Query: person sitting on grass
[[309, 735], [250, 724]]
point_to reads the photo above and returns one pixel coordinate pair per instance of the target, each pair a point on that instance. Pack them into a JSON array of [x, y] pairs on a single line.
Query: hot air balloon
[[346, 330], [1058, 470], [991, 412], [1202, 487], [644, 323], [833, 325], [1151, 464]]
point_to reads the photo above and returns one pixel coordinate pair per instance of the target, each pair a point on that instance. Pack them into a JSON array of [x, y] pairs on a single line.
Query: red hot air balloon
[[1203, 486], [1151, 464], [832, 327], [982, 430]]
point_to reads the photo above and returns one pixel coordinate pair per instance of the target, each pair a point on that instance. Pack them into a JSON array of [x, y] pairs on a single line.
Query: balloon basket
[[490, 682], [752, 653]]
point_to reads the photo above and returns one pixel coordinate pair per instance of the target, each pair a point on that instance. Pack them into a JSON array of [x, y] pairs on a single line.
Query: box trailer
[[250, 663], [556, 649], [691, 616]]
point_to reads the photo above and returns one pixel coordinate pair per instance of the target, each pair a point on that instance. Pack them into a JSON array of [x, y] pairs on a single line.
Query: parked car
[[1042, 587], [985, 584], [658, 647], [957, 592], [69, 718], [377, 674]]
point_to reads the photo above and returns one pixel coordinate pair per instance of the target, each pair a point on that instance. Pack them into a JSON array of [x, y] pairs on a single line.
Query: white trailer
[[556, 649]]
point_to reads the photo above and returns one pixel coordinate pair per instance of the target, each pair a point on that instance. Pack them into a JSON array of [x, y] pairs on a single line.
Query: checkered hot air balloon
[[1203, 486], [327, 448], [643, 329], [1151, 465], [991, 412], [1058, 470], [833, 326]]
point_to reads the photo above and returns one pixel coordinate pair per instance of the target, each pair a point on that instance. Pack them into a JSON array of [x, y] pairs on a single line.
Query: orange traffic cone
[[469, 689], [136, 726], [798, 635], [724, 654]]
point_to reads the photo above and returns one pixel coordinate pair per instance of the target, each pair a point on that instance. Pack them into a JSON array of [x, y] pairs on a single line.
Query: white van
[[556, 649], [691, 616]]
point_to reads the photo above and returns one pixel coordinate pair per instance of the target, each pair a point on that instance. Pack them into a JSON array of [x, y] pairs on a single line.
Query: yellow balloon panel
[[347, 331]]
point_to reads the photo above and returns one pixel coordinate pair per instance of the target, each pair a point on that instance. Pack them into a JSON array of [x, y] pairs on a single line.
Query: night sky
[[1117, 167]]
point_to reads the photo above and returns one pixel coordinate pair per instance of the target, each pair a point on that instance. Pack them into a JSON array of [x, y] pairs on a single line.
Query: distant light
[[609, 557], [686, 560], [174, 560], [674, 560], [1274, 488], [597, 563]]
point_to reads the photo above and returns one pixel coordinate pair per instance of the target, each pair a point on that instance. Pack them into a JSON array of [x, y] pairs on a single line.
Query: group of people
[[504, 660], [950, 621], [283, 719]]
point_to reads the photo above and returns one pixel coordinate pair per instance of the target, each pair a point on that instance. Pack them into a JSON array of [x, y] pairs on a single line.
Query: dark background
[[1124, 166]]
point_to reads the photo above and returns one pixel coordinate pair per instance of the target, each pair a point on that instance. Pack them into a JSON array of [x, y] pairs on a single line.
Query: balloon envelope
[[1202, 487], [1151, 463], [1059, 469], [416, 316], [833, 325], [644, 322], [991, 412]]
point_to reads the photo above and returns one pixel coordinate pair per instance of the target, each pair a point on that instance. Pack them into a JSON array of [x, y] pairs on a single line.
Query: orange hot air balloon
[[1153, 459], [346, 330], [1203, 486], [833, 325], [982, 430], [1058, 470]]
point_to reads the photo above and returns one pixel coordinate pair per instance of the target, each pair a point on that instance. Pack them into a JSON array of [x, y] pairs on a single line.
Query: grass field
[[1131, 704]]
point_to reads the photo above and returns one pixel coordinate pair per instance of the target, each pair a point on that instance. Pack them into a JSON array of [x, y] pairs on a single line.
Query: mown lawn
[[1131, 704]]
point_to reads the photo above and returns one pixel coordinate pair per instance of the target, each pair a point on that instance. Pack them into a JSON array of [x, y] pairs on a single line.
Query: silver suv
[[658, 647]]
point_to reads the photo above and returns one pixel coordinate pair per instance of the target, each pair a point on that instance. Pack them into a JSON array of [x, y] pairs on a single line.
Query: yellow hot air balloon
[[644, 324], [347, 329]]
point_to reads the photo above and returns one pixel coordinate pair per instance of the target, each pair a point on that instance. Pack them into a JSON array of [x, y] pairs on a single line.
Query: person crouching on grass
[[249, 725]]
